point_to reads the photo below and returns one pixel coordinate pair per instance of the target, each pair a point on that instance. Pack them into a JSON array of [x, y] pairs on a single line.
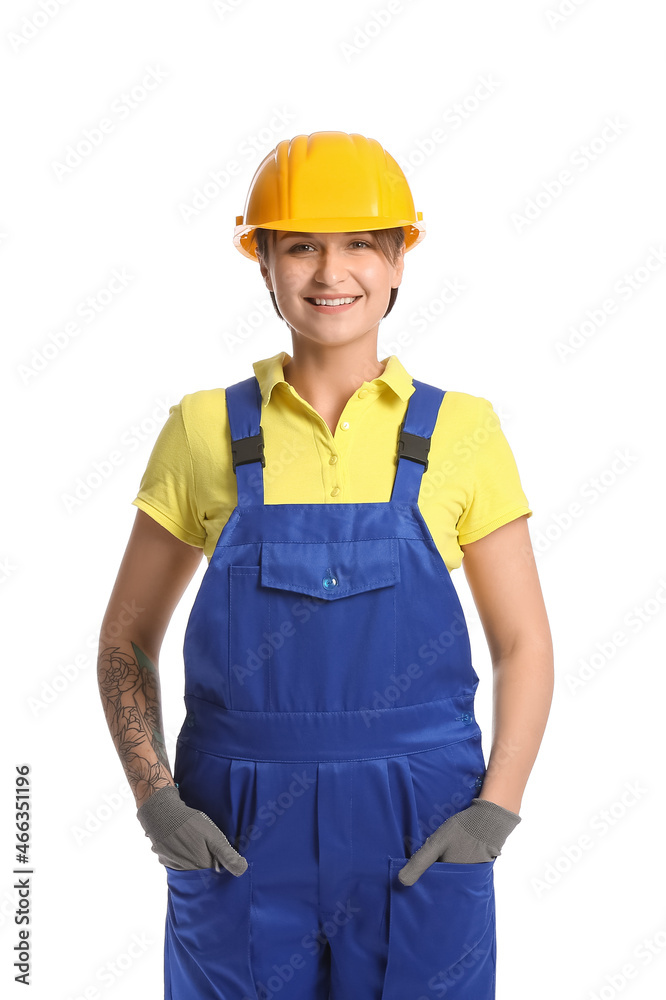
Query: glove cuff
[[488, 822], [163, 811]]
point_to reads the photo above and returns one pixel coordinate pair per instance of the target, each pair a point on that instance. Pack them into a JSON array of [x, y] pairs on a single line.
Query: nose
[[330, 268]]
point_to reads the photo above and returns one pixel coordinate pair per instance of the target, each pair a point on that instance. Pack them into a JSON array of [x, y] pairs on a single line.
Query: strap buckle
[[248, 449], [413, 446]]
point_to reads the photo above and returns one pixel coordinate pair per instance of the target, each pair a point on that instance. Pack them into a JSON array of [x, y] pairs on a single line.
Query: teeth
[[334, 302]]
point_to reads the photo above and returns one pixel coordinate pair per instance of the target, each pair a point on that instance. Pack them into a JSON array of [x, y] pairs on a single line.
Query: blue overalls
[[330, 729]]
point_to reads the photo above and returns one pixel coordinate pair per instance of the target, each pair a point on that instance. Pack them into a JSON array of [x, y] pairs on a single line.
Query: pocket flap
[[330, 569]]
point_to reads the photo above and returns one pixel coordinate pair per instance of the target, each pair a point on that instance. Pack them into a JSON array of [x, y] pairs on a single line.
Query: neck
[[326, 377]]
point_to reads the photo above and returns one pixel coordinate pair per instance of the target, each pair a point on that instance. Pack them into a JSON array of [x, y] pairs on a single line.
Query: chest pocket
[[330, 570], [313, 627]]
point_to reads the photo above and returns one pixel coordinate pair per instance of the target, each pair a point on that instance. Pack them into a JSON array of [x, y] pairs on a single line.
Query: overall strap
[[247, 439], [414, 440]]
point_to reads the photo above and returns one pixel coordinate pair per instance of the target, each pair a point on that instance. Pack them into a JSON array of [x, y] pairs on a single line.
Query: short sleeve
[[167, 491], [497, 495]]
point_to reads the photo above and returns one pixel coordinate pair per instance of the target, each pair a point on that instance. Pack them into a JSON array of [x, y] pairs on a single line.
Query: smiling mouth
[[336, 302]]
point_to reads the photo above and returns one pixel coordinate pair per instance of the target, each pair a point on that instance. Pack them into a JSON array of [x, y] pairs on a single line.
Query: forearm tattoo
[[129, 687]]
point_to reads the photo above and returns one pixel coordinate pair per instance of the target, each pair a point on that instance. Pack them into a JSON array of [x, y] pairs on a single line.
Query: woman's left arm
[[501, 572]]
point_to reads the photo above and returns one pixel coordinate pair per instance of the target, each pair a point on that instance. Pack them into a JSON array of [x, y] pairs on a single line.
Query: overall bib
[[330, 729]]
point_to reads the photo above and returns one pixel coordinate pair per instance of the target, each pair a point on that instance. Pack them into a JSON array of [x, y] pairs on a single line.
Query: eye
[[302, 246]]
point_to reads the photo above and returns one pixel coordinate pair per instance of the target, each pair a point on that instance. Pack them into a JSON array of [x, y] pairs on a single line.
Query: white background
[[536, 263]]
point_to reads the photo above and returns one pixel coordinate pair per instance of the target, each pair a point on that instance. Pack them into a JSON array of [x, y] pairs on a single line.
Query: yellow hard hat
[[328, 182]]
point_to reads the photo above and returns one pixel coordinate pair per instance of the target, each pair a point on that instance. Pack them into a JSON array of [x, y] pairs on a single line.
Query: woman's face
[[305, 267]]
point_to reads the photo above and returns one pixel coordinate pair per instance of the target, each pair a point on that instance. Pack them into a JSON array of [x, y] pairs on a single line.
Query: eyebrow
[[286, 236]]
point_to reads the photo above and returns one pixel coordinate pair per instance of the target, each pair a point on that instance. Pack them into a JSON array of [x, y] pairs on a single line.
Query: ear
[[265, 274], [398, 268]]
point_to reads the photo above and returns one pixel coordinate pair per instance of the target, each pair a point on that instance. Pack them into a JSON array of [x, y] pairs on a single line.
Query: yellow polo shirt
[[471, 485]]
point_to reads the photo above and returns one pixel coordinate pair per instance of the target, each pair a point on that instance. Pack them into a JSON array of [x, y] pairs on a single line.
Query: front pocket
[[304, 622], [442, 933], [207, 934]]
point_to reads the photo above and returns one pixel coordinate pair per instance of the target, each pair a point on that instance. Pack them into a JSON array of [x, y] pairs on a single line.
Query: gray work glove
[[471, 836], [186, 838]]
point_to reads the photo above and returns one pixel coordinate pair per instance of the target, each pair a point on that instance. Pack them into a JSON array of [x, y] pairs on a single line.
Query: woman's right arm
[[154, 573]]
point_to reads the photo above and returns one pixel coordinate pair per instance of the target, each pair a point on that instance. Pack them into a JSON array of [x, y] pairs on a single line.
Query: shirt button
[[335, 491], [465, 718], [345, 426], [362, 393], [333, 459]]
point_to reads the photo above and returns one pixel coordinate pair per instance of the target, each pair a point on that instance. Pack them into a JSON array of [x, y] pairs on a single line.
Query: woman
[[330, 731]]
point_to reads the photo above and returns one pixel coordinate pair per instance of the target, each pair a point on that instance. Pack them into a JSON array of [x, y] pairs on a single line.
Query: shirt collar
[[269, 371]]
